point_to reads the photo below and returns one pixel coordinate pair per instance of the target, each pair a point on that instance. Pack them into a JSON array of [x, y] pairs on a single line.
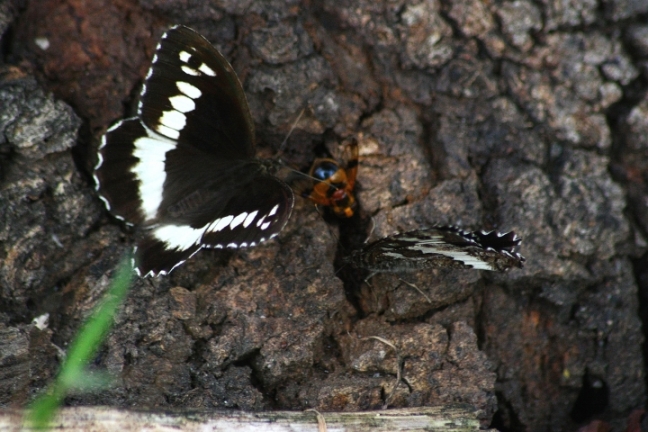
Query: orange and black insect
[[334, 184]]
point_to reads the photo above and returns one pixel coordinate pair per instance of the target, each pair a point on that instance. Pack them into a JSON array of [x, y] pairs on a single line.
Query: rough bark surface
[[523, 115]]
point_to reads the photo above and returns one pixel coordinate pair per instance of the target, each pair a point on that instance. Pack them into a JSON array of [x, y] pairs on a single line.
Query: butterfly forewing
[[192, 94]]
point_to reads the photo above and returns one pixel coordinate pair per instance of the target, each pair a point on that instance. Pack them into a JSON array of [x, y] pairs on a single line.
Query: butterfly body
[[184, 170], [440, 247]]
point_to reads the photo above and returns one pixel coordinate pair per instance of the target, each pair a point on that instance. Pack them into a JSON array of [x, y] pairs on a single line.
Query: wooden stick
[[459, 418]]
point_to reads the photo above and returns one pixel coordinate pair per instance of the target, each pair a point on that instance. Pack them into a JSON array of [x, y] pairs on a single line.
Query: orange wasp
[[334, 184]]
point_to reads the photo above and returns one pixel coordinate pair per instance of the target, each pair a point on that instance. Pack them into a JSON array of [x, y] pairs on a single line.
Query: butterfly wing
[[117, 176], [441, 247], [185, 167], [256, 213], [192, 94]]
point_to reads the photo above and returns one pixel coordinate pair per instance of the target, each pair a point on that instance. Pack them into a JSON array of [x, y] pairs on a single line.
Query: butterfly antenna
[[308, 176], [292, 128], [373, 227], [282, 147], [341, 268]]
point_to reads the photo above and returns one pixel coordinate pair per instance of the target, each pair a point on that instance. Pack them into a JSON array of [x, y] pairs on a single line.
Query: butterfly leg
[[417, 289], [366, 280]]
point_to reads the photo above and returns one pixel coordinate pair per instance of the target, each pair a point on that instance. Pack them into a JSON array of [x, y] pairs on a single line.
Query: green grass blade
[[82, 349]]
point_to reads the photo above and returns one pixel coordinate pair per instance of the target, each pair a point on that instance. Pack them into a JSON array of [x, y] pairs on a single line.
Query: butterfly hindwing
[[254, 216], [117, 173], [154, 257]]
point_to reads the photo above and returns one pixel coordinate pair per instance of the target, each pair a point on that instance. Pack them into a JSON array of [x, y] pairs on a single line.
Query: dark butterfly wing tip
[[503, 243], [510, 236], [146, 272], [499, 241], [154, 258]]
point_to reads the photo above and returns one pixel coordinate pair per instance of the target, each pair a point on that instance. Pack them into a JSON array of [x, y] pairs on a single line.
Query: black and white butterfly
[[440, 247], [185, 169]]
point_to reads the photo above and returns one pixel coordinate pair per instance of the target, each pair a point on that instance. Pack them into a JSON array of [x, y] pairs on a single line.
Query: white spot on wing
[[238, 220], [182, 103], [456, 255], [274, 210], [184, 56], [206, 70], [265, 225], [400, 256], [436, 239], [173, 119], [475, 262], [151, 151], [250, 218], [180, 237], [189, 71], [220, 224], [167, 131], [192, 91]]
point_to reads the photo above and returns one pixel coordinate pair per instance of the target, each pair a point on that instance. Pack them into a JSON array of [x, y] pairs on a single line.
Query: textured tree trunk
[[529, 116]]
